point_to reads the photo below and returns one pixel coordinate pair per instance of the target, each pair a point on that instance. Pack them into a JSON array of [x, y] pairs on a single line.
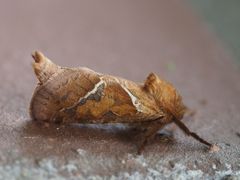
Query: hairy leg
[[185, 129], [149, 132]]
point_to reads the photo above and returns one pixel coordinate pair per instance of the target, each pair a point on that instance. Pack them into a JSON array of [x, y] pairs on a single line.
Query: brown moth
[[80, 95]]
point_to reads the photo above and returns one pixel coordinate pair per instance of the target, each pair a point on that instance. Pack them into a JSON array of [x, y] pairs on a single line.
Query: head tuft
[[165, 95]]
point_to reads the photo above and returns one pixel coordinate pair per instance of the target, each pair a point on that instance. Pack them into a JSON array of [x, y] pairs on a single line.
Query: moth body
[[80, 95]]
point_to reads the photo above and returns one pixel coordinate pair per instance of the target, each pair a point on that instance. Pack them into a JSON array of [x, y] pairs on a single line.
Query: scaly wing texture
[[84, 96], [59, 92]]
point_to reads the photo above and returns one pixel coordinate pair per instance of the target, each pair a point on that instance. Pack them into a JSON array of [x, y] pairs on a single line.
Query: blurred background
[[222, 18], [194, 44]]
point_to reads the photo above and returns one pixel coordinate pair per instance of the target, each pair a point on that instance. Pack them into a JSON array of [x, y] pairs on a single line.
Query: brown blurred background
[[182, 41]]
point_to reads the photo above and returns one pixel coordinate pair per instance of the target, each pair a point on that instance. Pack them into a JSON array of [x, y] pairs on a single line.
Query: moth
[[81, 95]]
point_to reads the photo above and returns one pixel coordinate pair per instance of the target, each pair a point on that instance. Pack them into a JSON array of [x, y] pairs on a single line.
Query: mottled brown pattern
[[80, 95]]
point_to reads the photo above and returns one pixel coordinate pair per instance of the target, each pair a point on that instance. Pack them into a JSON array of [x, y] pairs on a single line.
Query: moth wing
[[61, 91]]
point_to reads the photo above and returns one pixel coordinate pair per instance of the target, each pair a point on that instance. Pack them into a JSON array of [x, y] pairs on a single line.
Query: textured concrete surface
[[128, 39]]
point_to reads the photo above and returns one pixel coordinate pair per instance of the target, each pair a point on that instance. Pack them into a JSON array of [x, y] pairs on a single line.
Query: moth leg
[[149, 133], [185, 129]]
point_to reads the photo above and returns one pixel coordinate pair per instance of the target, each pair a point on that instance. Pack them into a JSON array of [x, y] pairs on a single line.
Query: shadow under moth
[[81, 95]]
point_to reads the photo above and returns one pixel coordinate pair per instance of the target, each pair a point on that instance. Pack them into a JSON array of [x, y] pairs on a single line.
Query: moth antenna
[[43, 67], [185, 129]]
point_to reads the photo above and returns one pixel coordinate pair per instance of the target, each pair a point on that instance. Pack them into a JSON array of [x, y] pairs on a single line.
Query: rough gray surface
[[128, 39]]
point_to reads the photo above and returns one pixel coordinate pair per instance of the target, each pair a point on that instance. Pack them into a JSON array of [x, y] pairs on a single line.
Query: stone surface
[[128, 39]]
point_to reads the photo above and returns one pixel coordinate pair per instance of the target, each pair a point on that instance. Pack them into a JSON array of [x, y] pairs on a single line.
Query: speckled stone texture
[[128, 39]]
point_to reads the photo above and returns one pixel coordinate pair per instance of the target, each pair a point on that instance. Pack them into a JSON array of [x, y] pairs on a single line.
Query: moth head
[[166, 96]]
